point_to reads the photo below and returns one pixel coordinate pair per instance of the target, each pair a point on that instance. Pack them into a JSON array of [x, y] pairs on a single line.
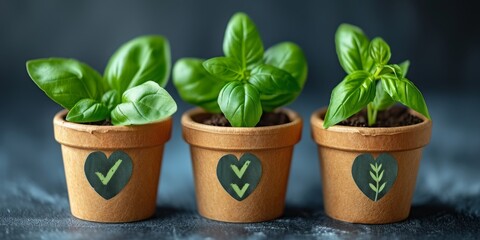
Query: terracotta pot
[[272, 146], [339, 146], [144, 146]]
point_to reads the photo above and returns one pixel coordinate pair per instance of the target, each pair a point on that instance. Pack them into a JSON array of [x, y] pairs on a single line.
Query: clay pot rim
[[317, 121], [241, 138], [371, 139], [188, 122], [111, 137], [59, 120]]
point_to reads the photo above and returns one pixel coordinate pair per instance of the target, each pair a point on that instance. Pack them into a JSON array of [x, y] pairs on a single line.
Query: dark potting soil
[[99, 123], [267, 119], [395, 116]]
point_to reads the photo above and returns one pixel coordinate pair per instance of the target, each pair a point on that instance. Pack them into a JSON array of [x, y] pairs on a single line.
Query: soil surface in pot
[[218, 119], [99, 123], [395, 116]]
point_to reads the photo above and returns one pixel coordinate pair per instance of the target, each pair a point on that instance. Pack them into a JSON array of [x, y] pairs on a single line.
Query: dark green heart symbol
[[108, 176], [375, 177], [239, 177]]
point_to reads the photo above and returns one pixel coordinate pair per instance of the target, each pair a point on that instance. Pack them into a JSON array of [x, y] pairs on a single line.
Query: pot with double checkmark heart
[[369, 174], [112, 172], [240, 174]]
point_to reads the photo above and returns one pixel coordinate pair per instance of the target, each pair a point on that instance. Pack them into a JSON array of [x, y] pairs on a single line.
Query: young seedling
[[130, 92], [245, 82], [371, 81]]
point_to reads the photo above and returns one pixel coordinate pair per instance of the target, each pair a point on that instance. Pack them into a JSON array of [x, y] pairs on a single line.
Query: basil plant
[[246, 81], [371, 81], [130, 92]]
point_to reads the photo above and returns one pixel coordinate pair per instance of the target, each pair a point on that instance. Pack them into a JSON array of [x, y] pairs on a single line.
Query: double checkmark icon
[[239, 177], [239, 173]]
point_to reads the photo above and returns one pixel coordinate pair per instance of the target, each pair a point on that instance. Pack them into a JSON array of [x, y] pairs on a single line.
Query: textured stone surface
[[34, 202]]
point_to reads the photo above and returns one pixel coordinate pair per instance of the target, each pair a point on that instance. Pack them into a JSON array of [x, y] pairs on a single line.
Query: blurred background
[[440, 38]]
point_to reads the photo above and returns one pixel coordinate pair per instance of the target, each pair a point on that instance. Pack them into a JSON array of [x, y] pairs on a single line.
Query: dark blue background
[[440, 38]]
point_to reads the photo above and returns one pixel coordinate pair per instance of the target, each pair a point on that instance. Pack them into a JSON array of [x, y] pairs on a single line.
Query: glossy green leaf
[[272, 102], [240, 102], [288, 57], [242, 41], [143, 104], [65, 81], [404, 66], [87, 110], [142, 59], [405, 92], [352, 48], [382, 100], [379, 51], [392, 69], [111, 99], [224, 68], [271, 80], [195, 85], [349, 97]]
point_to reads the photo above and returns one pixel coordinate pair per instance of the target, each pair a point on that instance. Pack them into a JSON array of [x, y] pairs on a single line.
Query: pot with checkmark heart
[[112, 172], [240, 173], [113, 128], [369, 174]]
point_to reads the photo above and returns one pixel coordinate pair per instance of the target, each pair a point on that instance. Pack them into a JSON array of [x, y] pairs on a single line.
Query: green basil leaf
[[224, 68], [195, 85], [65, 81], [240, 103], [352, 48], [382, 100], [288, 57], [274, 101], [142, 59], [111, 99], [242, 41], [379, 51], [404, 66], [87, 110], [392, 69], [403, 91], [143, 104], [270, 80], [349, 97]]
